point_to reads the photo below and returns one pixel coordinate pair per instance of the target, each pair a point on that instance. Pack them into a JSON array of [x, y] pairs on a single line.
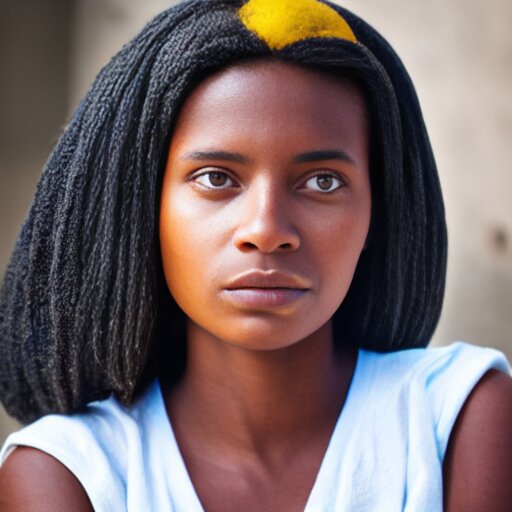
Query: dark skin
[[263, 388], [266, 378]]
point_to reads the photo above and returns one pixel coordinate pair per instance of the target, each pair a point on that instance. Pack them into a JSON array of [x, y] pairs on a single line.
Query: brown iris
[[217, 179], [324, 182]]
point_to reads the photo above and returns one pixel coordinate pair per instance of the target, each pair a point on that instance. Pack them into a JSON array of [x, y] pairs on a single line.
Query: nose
[[265, 221]]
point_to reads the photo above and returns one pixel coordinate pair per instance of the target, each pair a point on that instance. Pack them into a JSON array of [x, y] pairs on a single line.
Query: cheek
[[189, 243], [341, 243], [176, 244]]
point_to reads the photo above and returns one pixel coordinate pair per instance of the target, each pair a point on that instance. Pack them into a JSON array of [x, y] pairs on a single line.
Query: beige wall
[[52, 51], [34, 86], [458, 53]]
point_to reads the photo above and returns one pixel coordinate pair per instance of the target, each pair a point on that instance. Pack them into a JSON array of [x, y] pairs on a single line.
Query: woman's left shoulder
[[459, 358], [478, 462], [449, 375], [438, 381], [446, 374]]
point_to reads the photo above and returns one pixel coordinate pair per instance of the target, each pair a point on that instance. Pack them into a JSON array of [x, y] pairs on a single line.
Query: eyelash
[[335, 177], [207, 175]]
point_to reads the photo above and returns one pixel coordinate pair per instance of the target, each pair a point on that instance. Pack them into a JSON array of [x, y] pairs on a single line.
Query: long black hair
[[84, 311]]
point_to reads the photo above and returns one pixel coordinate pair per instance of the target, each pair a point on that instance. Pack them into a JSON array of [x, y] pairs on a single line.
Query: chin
[[262, 334]]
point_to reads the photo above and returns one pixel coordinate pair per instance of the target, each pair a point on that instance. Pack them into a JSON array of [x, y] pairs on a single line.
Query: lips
[[266, 289]]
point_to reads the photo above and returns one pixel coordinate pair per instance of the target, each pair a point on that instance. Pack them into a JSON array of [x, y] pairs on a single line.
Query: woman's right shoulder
[[32, 480], [93, 453], [95, 437]]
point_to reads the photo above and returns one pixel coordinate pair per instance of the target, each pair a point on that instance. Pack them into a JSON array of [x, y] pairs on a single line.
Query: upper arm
[[477, 468], [31, 480]]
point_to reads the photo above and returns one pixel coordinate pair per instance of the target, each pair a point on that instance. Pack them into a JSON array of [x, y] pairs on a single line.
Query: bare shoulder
[[32, 480], [478, 462]]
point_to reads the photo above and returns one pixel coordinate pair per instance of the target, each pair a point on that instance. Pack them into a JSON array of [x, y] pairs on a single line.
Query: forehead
[[274, 99]]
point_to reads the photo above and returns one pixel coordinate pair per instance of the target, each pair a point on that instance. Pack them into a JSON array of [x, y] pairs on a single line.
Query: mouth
[[266, 289]]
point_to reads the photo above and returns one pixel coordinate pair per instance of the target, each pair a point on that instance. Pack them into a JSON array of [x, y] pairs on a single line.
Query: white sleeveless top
[[385, 453]]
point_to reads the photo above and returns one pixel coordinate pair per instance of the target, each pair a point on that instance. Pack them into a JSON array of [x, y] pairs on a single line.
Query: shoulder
[[32, 480], [456, 403], [90, 452], [434, 382], [462, 364], [478, 462], [77, 440]]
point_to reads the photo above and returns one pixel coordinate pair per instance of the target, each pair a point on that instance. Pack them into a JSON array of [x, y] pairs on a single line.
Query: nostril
[[266, 237], [249, 246]]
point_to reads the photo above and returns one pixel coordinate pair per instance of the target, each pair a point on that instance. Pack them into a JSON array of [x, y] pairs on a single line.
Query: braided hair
[[84, 310]]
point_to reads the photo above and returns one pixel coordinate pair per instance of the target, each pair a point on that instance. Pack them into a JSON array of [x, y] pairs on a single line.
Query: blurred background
[[459, 54]]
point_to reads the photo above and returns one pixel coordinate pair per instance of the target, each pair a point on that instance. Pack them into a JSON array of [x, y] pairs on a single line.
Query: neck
[[252, 401]]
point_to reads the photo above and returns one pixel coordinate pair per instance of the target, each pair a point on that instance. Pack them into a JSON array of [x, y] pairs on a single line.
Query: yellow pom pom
[[283, 22]]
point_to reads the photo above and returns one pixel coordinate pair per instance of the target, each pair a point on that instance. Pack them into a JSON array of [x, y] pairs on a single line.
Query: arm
[[477, 468], [31, 480]]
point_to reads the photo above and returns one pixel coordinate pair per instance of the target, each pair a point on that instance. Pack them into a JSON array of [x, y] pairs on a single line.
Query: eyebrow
[[207, 155], [301, 158], [323, 154]]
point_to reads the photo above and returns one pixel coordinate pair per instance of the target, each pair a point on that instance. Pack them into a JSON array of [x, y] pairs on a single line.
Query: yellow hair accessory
[[283, 22]]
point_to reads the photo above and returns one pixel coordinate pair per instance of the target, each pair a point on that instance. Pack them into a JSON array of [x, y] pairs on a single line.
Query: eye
[[214, 180], [324, 183]]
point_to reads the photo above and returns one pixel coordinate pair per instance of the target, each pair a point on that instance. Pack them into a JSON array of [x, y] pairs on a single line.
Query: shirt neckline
[[181, 487], [323, 486]]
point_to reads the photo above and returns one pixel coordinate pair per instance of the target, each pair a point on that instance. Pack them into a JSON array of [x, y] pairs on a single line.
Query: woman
[[238, 236]]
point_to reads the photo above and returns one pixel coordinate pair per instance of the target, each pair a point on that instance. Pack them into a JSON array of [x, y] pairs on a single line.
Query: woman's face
[[266, 202]]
